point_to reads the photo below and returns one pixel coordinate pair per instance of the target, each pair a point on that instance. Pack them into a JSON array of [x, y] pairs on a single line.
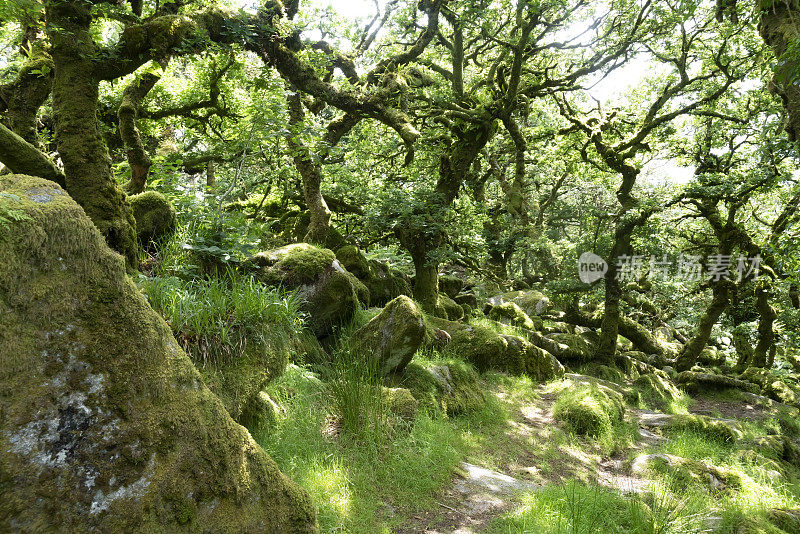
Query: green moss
[[589, 410], [712, 429], [354, 261], [603, 372], [509, 312], [452, 309], [293, 265], [385, 283], [684, 472], [107, 425], [329, 293], [577, 347], [657, 389], [711, 357], [450, 285], [486, 349], [400, 403], [771, 385], [392, 337], [451, 387], [260, 414], [238, 382], [154, 214], [467, 299]]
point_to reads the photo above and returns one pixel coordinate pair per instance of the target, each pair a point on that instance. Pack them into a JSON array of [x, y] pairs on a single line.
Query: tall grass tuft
[[355, 385], [215, 319]]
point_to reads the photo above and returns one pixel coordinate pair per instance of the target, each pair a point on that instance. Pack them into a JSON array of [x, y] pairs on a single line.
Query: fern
[[9, 215]]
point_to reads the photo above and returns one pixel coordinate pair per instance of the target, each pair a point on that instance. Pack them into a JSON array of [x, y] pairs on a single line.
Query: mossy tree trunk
[[766, 320], [691, 351], [87, 165], [609, 331], [23, 98], [128, 113], [454, 166], [309, 166], [779, 27]]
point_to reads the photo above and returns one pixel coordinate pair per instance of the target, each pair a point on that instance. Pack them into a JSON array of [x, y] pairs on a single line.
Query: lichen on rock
[[106, 424], [392, 337]]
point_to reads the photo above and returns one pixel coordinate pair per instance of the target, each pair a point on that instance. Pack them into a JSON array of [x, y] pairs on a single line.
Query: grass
[[214, 319], [580, 508], [358, 486]]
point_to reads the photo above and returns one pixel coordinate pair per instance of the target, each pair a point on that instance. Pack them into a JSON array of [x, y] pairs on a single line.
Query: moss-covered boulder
[[154, 214], [589, 409], [261, 413], [711, 357], [572, 347], [450, 285], [510, 313], [486, 349], [400, 403], [715, 429], [771, 385], [383, 282], [531, 301], [354, 261], [452, 309], [393, 336], [106, 424], [238, 381], [696, 381], [467, 299], [328, 292], [657, 389], [686, 471], [452, 388]]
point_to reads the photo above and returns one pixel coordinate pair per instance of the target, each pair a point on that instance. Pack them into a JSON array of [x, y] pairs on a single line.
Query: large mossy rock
[[384, 283], [452, 388], [393, 336], [486, 349], [450, 285], [155, 216], [571, 347], [531, 301], [238, 381], [328, 292], [510, 313], [451, 308], [771, 385], [589, 409], [106, 426]]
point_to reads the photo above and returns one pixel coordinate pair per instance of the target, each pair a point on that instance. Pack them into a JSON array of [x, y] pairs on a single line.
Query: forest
[[400, 266]]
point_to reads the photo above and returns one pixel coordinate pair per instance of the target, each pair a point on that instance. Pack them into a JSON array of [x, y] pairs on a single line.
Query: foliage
[[215, 319]]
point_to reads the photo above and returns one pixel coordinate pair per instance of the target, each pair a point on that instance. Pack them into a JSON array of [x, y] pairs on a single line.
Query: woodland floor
[[523, 453]]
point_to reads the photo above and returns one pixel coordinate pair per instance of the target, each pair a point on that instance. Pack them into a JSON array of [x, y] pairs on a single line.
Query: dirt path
[[531, 452]]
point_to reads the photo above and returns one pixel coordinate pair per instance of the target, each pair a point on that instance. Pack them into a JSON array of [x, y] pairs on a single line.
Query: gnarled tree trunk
[[691, 351], [87, 165]]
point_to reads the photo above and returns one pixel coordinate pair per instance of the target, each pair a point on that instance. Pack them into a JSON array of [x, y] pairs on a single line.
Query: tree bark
[[27, 94], [454, 165], [310, 169], [22, 157], [691, 351], [766, 335], [128, 114], [87, 165]]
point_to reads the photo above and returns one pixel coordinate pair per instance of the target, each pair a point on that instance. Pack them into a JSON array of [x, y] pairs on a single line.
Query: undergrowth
[[215, 319]]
